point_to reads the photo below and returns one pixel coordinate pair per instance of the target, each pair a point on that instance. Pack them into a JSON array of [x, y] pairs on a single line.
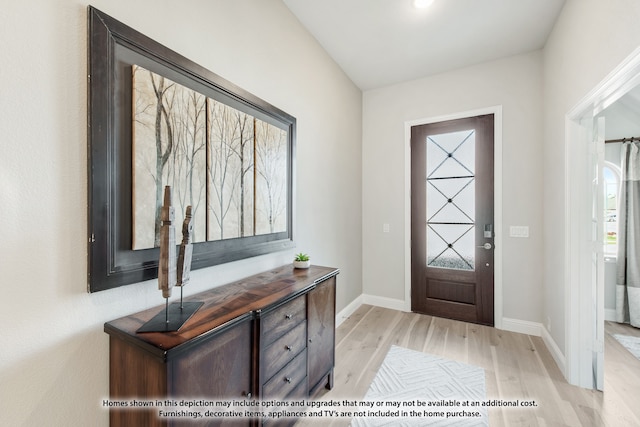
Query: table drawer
[[286, 382], [282, 319], [284, 349], [300, 392]]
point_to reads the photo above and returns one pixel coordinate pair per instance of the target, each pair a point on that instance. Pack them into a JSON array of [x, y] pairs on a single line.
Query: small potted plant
[[301, 261]]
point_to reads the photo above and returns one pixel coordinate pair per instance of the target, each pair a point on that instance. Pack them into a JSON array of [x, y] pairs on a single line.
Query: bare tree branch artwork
[[157, 119], [169, 149], [229, 166], [271, 160]]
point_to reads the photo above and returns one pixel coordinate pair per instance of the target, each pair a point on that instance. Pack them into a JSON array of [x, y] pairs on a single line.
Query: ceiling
[[382, 42]]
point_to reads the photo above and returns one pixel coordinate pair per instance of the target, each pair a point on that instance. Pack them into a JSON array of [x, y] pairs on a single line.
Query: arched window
[[611, 174]]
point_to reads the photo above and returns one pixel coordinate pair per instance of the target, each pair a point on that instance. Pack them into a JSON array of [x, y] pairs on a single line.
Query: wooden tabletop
[[223, 305]]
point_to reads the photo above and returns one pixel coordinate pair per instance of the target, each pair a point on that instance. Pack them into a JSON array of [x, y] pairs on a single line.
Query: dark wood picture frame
[[113, 49]]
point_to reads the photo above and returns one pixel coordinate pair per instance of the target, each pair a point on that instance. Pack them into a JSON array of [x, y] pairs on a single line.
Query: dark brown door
[[452, 230]]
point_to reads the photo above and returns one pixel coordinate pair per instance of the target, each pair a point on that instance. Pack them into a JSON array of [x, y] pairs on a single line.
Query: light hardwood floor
[[517, 366]]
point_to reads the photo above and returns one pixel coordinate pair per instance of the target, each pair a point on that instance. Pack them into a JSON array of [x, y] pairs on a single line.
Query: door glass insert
[[451, 200]]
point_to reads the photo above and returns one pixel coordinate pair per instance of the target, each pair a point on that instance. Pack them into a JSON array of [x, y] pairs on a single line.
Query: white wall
[[622, 120], [516, 84], [589, 40], [54, 354]]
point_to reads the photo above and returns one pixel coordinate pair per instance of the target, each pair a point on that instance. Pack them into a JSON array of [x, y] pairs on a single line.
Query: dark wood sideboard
[[268, 336]]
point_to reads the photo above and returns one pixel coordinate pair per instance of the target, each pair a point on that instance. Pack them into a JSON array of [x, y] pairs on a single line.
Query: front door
[[452, 229]]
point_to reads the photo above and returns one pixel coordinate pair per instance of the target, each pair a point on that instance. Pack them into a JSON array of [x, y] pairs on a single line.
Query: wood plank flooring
[[517, 366]]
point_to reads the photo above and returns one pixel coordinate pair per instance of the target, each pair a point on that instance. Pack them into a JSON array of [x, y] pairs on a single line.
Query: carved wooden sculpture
[[186, 250], [167, 266], [176, 314]]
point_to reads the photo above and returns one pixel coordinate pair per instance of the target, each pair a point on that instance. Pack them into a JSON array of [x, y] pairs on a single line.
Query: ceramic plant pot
[[301, 264]]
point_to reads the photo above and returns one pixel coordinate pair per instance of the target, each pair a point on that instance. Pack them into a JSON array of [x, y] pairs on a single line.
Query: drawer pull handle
[[288, 316], [288, 347], [288, 379]]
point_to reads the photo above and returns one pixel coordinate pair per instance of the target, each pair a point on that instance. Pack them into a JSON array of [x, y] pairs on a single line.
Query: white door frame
[[579, 336], [497, 202]]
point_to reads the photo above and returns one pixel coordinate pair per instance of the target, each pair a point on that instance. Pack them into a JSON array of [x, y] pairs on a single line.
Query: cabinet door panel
[[134, 374], [218, 369], [322, 324]]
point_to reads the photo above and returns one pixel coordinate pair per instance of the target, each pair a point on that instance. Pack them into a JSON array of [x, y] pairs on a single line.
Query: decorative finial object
[[167, 266], [186, 250], [176, 314]]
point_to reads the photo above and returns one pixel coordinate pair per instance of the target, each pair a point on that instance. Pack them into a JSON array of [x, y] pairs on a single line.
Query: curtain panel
[[628, 265]]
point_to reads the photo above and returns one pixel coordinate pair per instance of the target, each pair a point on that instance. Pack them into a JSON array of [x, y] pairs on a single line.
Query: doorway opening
[[585, 225]]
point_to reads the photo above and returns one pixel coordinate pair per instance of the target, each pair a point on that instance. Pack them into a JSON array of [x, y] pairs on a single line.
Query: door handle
[[486, 246]]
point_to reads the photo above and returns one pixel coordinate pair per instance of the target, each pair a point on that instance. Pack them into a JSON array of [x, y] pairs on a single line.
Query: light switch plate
[[519, 231]]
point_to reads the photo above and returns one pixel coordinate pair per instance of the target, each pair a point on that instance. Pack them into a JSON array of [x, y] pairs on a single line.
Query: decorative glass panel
[[451, 200], [450, 246]]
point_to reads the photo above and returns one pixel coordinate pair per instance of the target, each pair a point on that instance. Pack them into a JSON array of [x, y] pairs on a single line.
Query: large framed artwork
[[158, 119]]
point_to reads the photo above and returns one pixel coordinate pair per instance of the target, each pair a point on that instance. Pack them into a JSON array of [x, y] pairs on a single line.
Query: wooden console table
[[268, 336]]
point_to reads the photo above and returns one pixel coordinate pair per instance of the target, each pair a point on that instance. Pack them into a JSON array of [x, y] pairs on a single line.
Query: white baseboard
[[538, 330], [610, 314], [522, 326], [555, 351], [391, 303]]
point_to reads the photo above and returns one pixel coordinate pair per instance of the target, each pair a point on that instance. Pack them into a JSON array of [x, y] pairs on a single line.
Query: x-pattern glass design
[[451, 200]]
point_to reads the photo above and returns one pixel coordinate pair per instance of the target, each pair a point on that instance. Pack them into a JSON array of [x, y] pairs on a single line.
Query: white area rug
[[408, 375], [630, 343]]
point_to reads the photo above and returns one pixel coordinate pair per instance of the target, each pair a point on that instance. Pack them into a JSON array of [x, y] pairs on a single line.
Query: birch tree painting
[[245, 154], [228, 165], [169, 148], [271, 182]]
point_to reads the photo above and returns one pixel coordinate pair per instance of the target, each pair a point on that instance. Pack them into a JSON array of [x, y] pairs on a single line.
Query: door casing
[[462, 294], [580, 339], [498, 239]]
